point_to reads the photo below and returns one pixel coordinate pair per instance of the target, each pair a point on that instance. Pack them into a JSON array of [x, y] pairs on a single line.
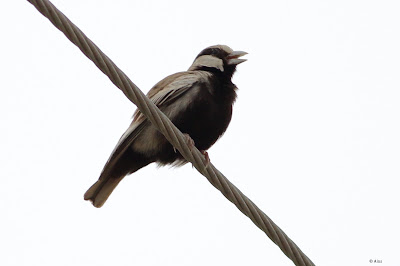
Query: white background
[[314, 140]]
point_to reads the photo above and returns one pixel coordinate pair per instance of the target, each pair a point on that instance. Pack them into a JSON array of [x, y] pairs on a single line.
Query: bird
[[198, 101]]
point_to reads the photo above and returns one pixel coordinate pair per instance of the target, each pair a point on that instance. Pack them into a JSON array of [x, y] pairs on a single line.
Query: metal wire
[[171, 132]]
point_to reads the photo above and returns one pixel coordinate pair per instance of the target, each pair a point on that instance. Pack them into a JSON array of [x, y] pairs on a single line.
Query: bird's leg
[[191, 144], [189, 141], [205, 153]]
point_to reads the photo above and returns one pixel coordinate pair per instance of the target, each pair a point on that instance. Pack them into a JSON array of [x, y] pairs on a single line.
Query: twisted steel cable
[[171, 132]]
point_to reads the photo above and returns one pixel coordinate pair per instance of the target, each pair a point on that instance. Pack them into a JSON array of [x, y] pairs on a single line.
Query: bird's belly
[[204, 120], [205, 125]]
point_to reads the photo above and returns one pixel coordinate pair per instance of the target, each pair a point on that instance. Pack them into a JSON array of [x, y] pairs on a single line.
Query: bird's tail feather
[[99, 192], [114, 171]]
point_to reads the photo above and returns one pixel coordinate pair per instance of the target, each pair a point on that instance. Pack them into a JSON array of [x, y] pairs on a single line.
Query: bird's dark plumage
[[198, 101]]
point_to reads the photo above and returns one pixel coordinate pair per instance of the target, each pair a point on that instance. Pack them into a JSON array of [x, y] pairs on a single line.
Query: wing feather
[[124, 143], [174, 86], [170, 88], [163, 94]]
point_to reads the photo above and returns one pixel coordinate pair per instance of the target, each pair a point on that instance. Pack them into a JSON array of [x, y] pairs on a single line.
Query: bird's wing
[[124, 142], [118, 165], [170, 89], [164, 92]]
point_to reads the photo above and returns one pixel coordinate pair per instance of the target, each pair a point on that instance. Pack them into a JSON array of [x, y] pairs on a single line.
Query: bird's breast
[[205, 119], [203, 112]]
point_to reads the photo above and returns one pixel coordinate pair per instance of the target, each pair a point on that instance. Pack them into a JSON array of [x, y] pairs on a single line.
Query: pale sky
[[314, 140]]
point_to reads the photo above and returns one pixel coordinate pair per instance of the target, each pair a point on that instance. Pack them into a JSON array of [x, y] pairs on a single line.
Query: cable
[[171, 132]]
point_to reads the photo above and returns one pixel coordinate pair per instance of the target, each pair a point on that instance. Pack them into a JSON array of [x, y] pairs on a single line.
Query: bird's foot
[[189, 141], [205, 153], [191, 144]]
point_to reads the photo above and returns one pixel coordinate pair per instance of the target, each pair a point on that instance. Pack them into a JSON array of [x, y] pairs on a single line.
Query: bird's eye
[[216, 52], [212, 51]]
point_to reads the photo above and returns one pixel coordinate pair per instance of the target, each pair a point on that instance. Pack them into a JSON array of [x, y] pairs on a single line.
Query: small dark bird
[[198, 101]]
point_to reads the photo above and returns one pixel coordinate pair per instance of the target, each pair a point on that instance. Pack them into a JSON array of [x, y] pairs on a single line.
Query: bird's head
[[218, 59]]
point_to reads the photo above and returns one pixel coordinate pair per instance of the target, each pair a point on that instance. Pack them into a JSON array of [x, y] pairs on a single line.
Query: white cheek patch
[[208, 61]]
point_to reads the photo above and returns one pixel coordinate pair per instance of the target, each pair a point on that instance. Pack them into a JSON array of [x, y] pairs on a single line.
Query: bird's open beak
[[233, 58]]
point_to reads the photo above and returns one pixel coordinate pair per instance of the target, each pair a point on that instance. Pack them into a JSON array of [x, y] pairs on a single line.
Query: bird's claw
[[189, 141], [206, 157], [191, 144]]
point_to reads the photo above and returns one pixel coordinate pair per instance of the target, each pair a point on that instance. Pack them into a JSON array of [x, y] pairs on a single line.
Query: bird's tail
[[99, 192], [114, 171]]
